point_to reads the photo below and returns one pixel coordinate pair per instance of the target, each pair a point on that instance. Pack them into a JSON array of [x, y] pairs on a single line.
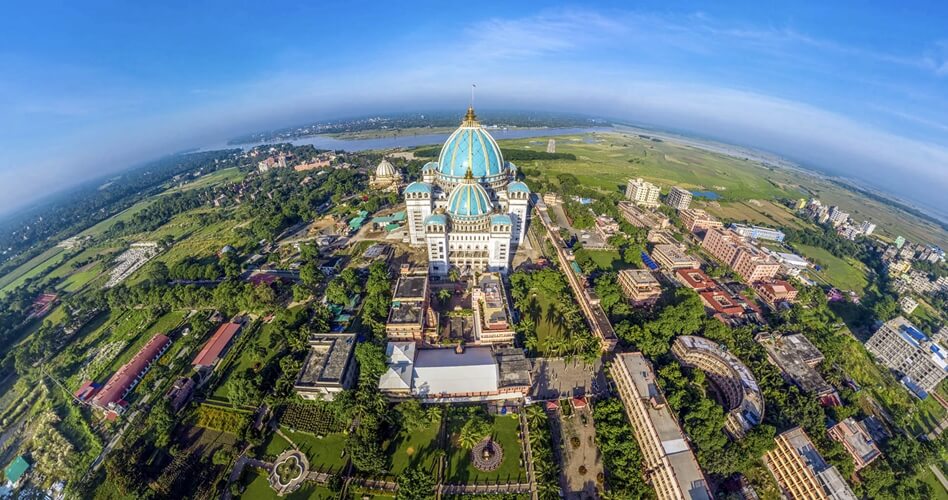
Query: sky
[[91, 88]]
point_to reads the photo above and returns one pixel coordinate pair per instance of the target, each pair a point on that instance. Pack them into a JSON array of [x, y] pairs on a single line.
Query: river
[[410, 141]]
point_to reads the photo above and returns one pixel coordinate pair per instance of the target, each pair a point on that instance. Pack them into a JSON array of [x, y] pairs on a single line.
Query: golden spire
[[470, 118], [469, 176]]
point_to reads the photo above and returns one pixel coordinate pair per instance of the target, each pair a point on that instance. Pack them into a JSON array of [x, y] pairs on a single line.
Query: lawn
[[505, 432], [241, 359], [607, 260], [258, 487], [843, 274], [323, 453], [939, 492], [548, 327], [418, 446]]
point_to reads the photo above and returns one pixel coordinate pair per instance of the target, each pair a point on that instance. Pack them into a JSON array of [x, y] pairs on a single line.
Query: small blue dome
[[418, 187], [518, 186], [430, 166], [501, 219], [469, 199], [436, 219], [471, 147]]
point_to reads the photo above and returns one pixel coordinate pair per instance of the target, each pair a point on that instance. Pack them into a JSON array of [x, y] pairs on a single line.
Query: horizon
[[787, 83]]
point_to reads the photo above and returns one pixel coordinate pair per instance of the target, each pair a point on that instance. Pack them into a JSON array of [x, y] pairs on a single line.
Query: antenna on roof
[[473, 86]]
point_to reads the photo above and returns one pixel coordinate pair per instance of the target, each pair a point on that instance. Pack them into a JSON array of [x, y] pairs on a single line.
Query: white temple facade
[[469, 211], [386, 177]]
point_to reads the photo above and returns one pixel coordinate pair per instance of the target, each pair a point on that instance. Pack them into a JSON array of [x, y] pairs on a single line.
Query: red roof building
[[775, 292], [721, 303], [111, 397], [695, 279], [215, 348], [86, 390]]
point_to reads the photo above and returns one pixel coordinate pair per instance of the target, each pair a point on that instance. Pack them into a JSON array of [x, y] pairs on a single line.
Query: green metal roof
[[16, 469]]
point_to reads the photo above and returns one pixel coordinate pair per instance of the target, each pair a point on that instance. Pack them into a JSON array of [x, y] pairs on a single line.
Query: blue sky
[[92, 87]]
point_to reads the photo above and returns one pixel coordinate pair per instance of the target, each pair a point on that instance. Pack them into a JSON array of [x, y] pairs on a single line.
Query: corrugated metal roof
[[215, 346]]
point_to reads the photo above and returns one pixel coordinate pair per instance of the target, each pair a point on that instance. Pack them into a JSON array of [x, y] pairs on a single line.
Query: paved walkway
[[941, 477]]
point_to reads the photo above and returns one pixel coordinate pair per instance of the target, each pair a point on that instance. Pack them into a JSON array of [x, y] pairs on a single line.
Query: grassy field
[[762, 212], [257, 487], [244, 356], [407, 448], [845, 274], [225, 175], [607, 160], [459, 468], [608, 260], [135, 338], [33, 267], [323, 453]]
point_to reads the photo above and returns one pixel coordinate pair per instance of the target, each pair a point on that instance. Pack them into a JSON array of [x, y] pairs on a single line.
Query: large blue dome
[[470, 146], [469, 199]]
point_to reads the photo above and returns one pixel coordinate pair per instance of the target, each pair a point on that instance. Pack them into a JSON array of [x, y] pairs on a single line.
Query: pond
[[708, 195]]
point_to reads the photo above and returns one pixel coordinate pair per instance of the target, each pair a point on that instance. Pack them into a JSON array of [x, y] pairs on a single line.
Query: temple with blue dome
[[469, 211]]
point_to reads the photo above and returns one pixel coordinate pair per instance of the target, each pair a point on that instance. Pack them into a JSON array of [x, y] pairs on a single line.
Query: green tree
[[415, 484], [473, 431]]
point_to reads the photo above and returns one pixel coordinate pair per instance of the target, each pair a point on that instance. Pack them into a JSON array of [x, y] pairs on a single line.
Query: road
[[595, 316]]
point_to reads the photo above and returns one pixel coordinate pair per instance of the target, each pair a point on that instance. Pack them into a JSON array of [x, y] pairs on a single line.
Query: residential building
[[455, 375], [606, 227], [642, 193], [734, 383], [696, 220], [111, 398], [180, 393], [468, 211], [750, 263], [640, 286], [678, 198], [757, 232], [753, 264], [552, 198], [719, 302], [492, 324], [857, 441], [898, 267], [901, 347], [329, 367], [776, 294], [695, 279], [216, 347], [867, 227], [639, 217], [908, 304], [673, 471], [837, 216], [409, 309], [797, 358], [801, 471], [673, 257]]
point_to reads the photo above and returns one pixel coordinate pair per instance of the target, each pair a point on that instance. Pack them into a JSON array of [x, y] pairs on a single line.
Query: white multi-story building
[[678, 198], [837, 216], [904, 349], [642, 192], [867, 227], [468, 210]]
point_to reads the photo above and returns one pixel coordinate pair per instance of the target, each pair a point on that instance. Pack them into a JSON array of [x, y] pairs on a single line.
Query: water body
[[411, 141], [709, 195]]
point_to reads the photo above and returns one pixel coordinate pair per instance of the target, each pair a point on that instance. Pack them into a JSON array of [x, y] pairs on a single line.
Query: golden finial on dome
[[469, 176], [470, 118]]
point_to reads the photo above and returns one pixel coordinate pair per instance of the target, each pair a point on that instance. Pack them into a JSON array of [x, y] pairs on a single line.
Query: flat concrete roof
[[327, 361], [410, 288]]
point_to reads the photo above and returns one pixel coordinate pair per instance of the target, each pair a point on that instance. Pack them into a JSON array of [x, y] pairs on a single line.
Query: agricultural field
[[845, 274], [606, 160], [313, 418]]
